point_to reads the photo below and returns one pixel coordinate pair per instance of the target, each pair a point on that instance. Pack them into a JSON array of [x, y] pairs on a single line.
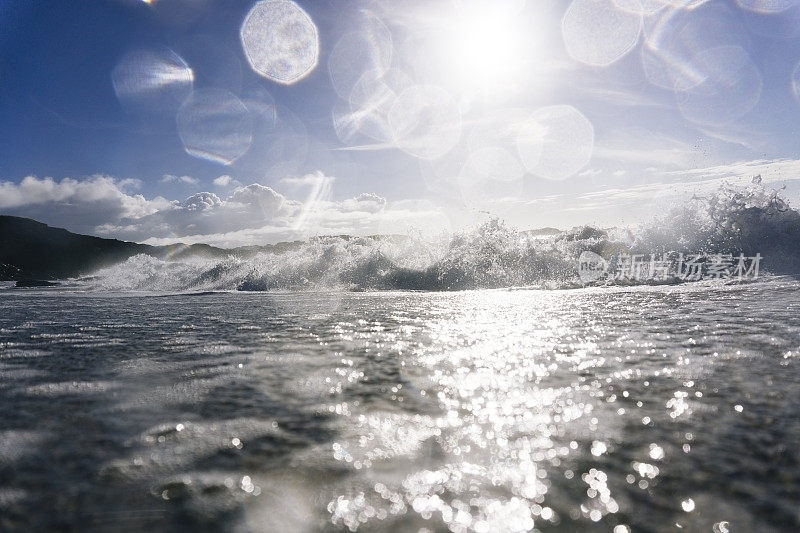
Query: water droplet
[[721, 527], [214, 124], [598, 33], [280, 41], [656, 451]]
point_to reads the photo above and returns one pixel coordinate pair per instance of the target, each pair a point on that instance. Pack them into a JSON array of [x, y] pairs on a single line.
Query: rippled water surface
[[644, 409]]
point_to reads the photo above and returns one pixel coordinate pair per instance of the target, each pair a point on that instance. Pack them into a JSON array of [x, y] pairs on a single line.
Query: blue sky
[[151, 121]]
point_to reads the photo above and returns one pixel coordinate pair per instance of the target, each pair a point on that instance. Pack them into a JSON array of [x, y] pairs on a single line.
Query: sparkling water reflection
[[625, 409]]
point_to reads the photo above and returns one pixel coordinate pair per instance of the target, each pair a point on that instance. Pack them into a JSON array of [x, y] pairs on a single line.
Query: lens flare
[[366, 52], [280, 41], [282, 140], [642, 7], [489, 174], [425, 121], [152, 82], [556, 142], [730, 87], [370, 102], [767, 7], [214, 124], [675, 37], [598, 33], [493, 163]]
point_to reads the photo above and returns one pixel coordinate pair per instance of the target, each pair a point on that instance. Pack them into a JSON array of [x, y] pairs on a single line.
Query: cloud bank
[[81, 205], [258, 214], [252, 214]]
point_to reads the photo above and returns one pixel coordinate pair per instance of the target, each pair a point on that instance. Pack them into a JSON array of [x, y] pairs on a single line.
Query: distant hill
[[30, 249]]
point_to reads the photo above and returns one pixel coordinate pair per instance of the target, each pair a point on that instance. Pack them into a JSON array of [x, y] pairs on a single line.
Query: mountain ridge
[[30, 249]]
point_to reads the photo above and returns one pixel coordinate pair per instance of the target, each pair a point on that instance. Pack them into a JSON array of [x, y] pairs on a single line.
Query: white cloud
[[329, 218], [590, 172], [251, 207], [651, 195], [309, 180], [188, 180], [225, 181], [648, 148], [79, 205], [256, 214], [129, 183], [259, 197], [201, 201], [222, 181], [745, 137], [364, 203], [774, 170], [619, 96]]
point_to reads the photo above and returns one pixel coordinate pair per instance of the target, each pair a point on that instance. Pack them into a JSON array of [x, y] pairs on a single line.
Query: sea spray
[[732, 220]]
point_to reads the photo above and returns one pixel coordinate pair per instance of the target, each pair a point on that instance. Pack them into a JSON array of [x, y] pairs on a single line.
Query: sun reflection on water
[[474, 411]]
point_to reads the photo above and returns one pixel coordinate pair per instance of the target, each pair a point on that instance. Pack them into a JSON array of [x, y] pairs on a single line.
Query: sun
[[485, 50]]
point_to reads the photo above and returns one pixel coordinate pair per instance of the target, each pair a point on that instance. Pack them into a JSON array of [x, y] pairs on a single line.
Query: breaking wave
[[731, 220]]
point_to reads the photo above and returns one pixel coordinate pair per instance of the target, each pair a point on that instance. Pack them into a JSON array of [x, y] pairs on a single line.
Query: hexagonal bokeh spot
[[280, 41]]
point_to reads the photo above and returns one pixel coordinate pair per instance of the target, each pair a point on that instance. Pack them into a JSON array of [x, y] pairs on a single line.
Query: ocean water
[[671, 408]]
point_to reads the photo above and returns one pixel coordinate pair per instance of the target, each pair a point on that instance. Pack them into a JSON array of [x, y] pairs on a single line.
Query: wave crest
[[734, 220], [731, 220]]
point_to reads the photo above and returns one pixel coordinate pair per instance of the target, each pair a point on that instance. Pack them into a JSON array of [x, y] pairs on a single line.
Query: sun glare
[[485, 51]]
